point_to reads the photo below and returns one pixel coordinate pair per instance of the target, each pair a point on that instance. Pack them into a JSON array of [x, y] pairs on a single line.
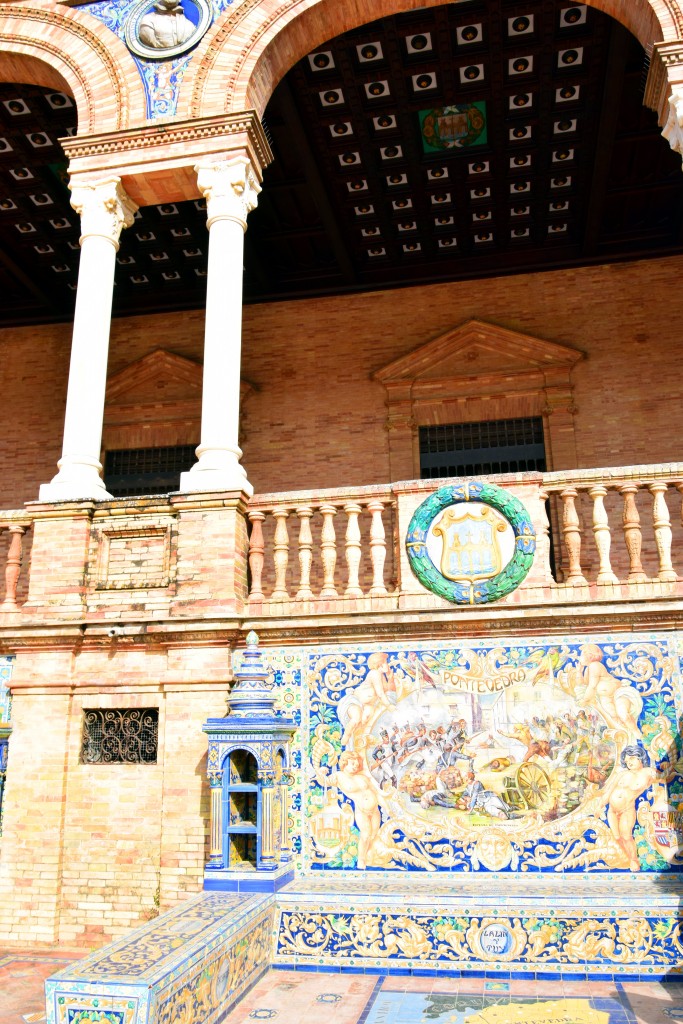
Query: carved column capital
[[104, 208], [230, 188], [673, 129]]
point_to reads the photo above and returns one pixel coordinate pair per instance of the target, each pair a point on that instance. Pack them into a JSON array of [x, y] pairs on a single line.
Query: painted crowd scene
[[561, 756]]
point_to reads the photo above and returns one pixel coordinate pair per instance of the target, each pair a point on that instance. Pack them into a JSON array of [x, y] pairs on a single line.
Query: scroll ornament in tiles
[[565, 938]]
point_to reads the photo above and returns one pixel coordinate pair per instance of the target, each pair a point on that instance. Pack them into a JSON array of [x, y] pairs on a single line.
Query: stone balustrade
[[322, 547], [13, 529], [611, 534], [616, 525]]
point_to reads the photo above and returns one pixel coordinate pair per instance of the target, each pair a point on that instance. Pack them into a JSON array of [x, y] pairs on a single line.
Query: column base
[[217, 469], [76, 481]]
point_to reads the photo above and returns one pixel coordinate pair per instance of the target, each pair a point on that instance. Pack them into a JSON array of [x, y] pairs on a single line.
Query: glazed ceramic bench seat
[[194, 962], [189, 964], [544, 923]]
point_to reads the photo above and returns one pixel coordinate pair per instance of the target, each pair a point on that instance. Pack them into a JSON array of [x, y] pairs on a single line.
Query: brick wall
[[317, 419], [90, 851]]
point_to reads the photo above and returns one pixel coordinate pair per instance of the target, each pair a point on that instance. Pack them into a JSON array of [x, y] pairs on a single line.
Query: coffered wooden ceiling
[[478, 138]]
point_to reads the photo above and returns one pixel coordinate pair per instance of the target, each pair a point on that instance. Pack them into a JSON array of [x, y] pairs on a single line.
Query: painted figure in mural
[[618, 703], [361, 704], [447, 783], [621, 793], [166, 26], [476, 798], [352, 780]]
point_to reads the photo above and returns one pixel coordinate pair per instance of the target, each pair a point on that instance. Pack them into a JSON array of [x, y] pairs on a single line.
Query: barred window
[[479, 449], [130, 471], [120, 735]]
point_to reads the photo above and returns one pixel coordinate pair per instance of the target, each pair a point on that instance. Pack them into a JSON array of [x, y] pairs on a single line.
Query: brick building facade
[[141, 602]]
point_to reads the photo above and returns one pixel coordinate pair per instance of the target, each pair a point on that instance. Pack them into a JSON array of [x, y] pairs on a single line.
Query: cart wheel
[[533, 784]]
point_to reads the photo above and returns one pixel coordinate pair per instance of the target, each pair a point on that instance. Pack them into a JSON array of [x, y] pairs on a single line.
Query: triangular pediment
[[160, 376], [477, 348]]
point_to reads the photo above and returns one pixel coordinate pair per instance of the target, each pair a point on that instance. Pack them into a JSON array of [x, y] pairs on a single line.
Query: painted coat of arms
[[457, 126], [471, 543]]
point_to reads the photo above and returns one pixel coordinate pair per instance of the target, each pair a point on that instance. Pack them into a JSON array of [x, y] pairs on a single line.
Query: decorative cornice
[[664, 56], [371, 627], [174, 133]]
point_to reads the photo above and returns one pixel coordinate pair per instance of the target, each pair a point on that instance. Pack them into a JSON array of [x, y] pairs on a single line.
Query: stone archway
[[71, 52], [244, 57]]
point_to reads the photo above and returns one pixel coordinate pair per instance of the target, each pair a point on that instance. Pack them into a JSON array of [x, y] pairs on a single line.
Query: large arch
[[72, 52], [243, 58]]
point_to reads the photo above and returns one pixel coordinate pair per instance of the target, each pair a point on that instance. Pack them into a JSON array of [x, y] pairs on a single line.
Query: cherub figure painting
[[621, 794], [352, 779]]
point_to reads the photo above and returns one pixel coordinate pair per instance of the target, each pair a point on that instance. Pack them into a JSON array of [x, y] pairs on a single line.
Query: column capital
[[104, 208], [230, 187]]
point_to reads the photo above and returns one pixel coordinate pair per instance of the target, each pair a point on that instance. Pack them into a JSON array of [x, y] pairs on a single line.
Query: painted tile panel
[[552, 755]]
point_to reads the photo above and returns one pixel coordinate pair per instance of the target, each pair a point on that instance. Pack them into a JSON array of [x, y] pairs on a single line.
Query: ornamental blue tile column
[[248, 757]]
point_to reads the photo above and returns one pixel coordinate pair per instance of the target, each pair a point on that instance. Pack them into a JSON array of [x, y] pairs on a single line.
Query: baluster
[[352, 541], [304, 593], [632, 533], [256, 549], [280, 554], [571, 530], [662, 526], [328, 550], [13, 568], [378, 549], [543, 538], [603, 537]]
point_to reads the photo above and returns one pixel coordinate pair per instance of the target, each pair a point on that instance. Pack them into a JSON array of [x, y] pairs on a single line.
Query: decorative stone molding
[[104, 208], [663, 87], [479, 371], [93, 64], [157, 163], [230, 188]]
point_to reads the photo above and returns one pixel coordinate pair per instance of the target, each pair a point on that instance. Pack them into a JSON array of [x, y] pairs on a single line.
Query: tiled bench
[[191, 964]]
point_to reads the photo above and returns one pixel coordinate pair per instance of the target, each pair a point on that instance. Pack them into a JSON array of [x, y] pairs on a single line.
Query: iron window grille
[[131, 471], [120, 736], [480, 449]]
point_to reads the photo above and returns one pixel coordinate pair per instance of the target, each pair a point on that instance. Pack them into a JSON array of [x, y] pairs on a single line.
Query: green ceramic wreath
[[482, 591]]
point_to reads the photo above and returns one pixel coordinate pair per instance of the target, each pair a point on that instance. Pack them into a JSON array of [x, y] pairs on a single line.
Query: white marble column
[[231, 190], [104, 209]]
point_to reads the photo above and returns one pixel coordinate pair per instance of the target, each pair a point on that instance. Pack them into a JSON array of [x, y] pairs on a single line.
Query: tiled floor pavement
[[21, 982], [298, 997], [294, 997]]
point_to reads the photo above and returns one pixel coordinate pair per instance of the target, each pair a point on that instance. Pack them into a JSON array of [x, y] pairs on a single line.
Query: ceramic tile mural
[[560, 754], [6, 664], [161, 78]]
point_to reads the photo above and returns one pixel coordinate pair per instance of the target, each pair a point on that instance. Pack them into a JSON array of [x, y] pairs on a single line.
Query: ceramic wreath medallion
[[471, 543]]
